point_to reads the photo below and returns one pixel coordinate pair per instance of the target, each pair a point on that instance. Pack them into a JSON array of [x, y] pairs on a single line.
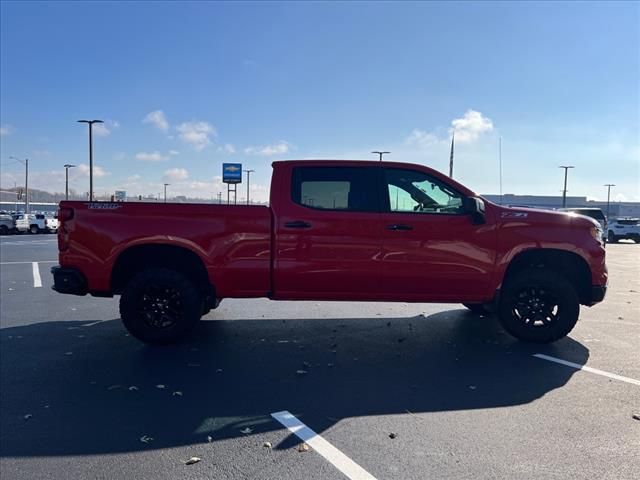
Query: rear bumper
[[598, 293], [68, 280]]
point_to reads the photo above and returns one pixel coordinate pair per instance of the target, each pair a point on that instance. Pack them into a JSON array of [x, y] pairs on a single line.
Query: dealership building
[[616, 209]]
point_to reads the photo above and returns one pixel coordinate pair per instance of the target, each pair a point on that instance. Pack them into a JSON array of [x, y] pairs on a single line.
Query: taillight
[[65, 214]]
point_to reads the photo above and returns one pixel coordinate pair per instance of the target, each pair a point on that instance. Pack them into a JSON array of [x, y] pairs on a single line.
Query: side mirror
[[475, 207]]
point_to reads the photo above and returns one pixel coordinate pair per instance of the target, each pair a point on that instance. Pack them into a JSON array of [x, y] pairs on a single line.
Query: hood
[[525, 215]]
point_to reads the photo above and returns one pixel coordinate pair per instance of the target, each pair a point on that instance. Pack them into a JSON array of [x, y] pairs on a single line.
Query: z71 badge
[[514, 215]]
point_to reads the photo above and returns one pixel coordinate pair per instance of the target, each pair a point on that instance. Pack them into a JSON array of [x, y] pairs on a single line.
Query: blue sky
[[185, 86]]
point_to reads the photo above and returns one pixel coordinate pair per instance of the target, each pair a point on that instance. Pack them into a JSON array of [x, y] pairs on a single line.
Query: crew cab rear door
[[431, 250], [327, 233]]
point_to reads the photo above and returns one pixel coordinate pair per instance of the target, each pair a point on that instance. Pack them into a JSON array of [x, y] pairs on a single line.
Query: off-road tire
[[538, 305], [160, 306]]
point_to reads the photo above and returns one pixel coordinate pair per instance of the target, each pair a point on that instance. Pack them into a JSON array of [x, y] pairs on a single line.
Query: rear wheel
[[34, 229], [476, 307], [160, 306], [611, 237], [538, 305], [4, 230]]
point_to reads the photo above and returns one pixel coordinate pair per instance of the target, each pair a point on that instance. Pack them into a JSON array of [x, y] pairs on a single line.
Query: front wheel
[[160, 306], [611, 238], [538, 305]]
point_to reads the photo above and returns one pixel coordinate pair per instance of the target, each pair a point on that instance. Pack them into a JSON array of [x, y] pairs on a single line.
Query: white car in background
[[35, 223], [624, 228], [51, 222]]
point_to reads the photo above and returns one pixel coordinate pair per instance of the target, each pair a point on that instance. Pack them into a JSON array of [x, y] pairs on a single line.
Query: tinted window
[[628, 221], [414, 191], [335, 188]]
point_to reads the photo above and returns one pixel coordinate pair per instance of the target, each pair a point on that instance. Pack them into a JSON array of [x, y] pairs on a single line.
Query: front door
[[431, 250]]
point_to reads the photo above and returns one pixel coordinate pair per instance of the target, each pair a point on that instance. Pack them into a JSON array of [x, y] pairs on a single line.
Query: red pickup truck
[[335, 230]]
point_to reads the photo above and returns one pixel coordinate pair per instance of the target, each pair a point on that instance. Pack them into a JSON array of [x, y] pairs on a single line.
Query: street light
[[25, 162], [67, 166], [248, 172], [380, 153], [165, 191], [608, 185], [564, 192], [90, 123]]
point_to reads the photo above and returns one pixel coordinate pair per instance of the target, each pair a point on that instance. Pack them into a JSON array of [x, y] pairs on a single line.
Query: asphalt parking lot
[[403, 391]]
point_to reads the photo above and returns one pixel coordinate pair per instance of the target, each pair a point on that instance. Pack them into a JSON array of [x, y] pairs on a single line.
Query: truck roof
[[375, 163]]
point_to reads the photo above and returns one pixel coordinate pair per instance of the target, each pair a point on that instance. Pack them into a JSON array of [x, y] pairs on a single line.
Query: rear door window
[[336, 188]]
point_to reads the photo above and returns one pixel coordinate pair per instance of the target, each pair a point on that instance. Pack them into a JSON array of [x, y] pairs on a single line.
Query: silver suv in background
[[624, 228]]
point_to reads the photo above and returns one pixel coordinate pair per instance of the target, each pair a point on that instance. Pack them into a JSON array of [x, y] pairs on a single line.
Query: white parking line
[[588, 369], [37, 281], [339, 460]]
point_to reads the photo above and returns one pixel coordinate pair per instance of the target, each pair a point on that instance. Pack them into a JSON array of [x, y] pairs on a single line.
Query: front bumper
[[598, 293], [68, 280]]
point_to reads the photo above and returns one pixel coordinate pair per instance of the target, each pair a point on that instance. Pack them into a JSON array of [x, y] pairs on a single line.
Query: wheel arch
[[568, 264], [137, 258]]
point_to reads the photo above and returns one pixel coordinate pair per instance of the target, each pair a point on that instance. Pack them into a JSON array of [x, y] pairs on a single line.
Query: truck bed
[[234, 242]]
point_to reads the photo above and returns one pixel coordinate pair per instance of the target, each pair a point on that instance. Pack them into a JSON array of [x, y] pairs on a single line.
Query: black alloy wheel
[[160, 306], [538, 305]]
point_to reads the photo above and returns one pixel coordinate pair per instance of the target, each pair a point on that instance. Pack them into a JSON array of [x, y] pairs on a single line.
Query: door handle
[[399, 226], [297, 224]]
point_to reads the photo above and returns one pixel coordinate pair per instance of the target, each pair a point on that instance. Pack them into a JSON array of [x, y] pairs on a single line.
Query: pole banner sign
[[232, 172]]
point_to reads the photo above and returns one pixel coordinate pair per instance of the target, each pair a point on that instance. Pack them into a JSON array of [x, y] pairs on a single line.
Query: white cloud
[[158, 119], [133, 178], [151, 157], [41, 153], [470, 126], [105, 129], [227, 148], [174, 152], [83, 170], [6, 130], [175, 175], [422, 138], [196, 133], [278, 148]]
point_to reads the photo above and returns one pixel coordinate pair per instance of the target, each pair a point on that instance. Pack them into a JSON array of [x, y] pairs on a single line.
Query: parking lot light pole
[[608, 185], [25, 162], [67, 166], [90, 123], [380, 153], [165, 191], [564, 191], [248, 172]]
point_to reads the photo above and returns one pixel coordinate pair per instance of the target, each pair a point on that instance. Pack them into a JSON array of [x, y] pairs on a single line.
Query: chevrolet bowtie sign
[[232, 172]]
